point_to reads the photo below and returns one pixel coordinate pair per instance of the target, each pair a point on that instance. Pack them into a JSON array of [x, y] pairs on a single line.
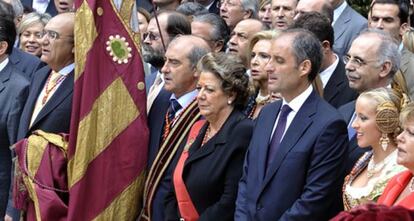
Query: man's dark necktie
[[172, 110], [277, 135], [351, 130]]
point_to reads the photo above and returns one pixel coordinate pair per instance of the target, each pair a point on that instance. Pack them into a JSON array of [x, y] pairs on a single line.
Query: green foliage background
[[361, 6]]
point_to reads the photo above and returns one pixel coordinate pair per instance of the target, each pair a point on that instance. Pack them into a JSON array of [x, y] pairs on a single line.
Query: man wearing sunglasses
[[154, 43]]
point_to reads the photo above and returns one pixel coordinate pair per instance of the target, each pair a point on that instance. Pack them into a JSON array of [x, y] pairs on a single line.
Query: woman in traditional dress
[[376, 125]]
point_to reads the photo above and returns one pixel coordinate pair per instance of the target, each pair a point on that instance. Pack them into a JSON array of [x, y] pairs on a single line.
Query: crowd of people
[[257, 109]]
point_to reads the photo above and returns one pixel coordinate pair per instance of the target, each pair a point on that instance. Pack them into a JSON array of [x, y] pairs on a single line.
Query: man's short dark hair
[[177, 24], [6, 10], [316, 23], [403, 8], [191, 9], [306, 46], [7, 32]]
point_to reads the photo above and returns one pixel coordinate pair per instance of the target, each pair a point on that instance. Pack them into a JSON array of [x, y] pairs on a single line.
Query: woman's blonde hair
[[32, 19], [389, 104], [263, 35], [408, 39]]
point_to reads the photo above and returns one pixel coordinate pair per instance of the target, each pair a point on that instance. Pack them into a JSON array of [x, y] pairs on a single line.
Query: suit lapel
[[340, 24], [64, 90], [293, 134], [220, 140], [197, 152], [160, 106], [332, 87], [405, 59], [35, 89], [265, 129], [5, 76]]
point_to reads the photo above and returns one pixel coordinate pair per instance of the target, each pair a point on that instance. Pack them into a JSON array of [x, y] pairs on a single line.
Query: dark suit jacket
[[51, 9], [212, 172], [407, 69], [304, 180], [354, 152], [215, 7], [26, 63], [55, 115], [145, 4], [14, 89], [346, 28], [156, 118], [337, 91]]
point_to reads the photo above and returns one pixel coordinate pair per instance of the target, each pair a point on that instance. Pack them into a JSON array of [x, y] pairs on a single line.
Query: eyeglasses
[[358, 62], [151, 36], [52, 35]]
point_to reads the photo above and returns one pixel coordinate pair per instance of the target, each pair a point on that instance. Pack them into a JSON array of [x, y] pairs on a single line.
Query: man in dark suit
[[47, 6], [293, 173], [48, 106], [14, 89], [371, 62], [347, 24], [24, 62], [175, 111], [336, 90]]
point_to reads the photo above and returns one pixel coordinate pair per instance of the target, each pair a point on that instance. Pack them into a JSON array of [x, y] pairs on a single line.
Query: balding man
[[49, 104], [371, 62], [240, 36], [174, 111]]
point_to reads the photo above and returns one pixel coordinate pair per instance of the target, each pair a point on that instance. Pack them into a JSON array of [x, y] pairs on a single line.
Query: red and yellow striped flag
[[109, 136]]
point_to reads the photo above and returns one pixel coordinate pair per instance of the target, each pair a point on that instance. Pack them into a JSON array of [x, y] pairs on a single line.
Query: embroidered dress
[[355, 196]]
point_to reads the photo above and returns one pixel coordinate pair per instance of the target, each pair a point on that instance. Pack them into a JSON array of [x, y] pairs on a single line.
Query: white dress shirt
[[295, 105]]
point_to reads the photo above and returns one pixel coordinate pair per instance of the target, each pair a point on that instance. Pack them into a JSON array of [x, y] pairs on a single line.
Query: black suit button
[[259, 206]]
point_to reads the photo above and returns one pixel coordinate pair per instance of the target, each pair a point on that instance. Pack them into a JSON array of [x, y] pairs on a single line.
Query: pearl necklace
[[374, 168]]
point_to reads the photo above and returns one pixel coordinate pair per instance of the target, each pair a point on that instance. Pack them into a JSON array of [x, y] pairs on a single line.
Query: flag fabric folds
[[108, 139]]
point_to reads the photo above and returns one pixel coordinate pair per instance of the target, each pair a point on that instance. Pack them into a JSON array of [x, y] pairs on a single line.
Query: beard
[[153, 56]]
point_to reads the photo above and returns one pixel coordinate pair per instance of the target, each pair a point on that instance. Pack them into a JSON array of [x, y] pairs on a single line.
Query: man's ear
[[247, 14], [326, 46], [305, 68], [3, 47], [385, 69], [403, 28]]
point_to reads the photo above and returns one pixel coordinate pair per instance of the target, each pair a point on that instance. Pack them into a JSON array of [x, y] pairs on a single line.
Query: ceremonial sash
[[185, 204], [166, 153], [40, 187]]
